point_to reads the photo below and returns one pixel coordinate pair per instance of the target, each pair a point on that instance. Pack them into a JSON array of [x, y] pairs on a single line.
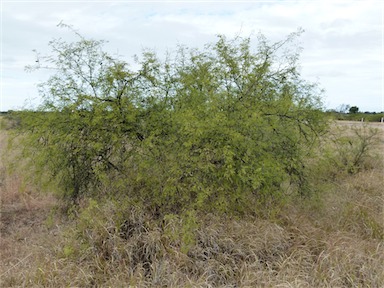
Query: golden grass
[[332, 240]]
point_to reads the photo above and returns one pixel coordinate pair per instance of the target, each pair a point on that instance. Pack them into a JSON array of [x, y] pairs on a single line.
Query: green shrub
[[216, 130]]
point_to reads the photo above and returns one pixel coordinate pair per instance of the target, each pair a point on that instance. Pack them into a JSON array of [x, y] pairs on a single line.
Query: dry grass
[[23, 215], [332, 240]]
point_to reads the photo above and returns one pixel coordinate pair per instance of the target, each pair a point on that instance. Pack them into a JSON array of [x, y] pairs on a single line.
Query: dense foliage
[[222, 128]]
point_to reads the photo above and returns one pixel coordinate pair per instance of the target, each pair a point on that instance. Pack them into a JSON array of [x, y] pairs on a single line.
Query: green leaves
[[217, 129]]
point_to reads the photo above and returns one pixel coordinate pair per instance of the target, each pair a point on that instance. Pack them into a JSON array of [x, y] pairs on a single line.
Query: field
[[333, 239]]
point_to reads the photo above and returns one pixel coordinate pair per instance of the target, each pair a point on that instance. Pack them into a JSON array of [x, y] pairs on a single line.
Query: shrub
[[345, 150], [217, 129]]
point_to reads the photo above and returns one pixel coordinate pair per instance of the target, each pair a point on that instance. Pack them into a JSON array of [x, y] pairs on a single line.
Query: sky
[[342, 44]]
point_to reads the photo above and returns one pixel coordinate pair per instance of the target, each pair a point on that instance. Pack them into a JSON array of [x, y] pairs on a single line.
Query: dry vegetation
[[334, 239]]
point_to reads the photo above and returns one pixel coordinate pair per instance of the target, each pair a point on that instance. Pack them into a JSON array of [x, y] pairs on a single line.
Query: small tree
[[343, 108], [86, 124], [353, 110], [217, 129]]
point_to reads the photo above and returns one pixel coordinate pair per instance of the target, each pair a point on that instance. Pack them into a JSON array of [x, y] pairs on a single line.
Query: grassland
[[333, 239]]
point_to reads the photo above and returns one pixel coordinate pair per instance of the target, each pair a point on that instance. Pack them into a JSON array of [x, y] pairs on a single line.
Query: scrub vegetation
[[207, 168]]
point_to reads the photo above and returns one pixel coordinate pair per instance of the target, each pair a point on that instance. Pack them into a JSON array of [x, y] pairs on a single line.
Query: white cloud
[[342, 42]]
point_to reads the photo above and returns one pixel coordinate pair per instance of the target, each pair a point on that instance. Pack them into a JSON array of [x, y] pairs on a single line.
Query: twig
[[16, 265]]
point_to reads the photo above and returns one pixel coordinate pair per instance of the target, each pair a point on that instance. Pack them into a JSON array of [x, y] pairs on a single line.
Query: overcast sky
[[343, 40]]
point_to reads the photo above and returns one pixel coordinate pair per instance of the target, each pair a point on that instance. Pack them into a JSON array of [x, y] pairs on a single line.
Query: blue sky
[[343, 40]]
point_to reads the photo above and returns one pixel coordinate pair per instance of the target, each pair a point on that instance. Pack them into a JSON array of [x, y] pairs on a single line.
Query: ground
[[338, 243]]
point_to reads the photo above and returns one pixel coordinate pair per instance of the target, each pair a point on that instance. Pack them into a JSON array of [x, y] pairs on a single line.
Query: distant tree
[[343, 108], [353, 110]]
